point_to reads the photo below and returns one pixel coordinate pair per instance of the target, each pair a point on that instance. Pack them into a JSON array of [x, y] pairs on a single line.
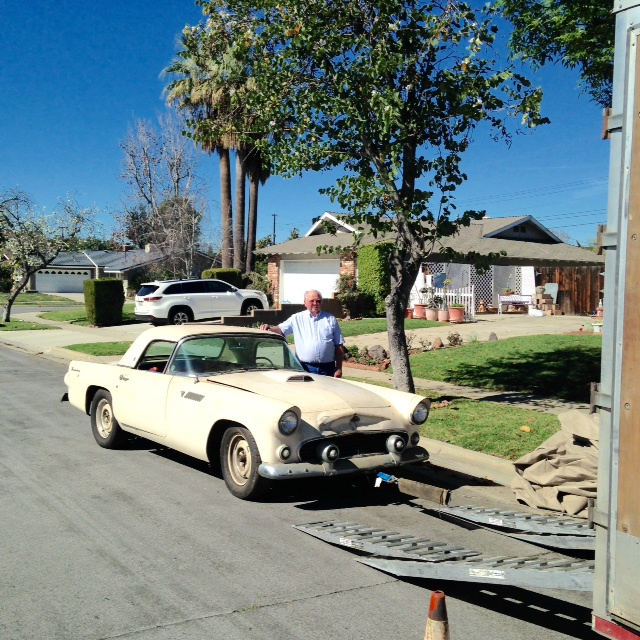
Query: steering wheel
[[269, 363]]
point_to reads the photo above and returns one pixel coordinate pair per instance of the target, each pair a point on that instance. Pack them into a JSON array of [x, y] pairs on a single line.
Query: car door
[[225, 299], [198, 297], [140, 396]]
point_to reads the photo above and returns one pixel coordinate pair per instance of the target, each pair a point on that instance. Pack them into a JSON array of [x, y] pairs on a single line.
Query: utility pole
[[274, 227]]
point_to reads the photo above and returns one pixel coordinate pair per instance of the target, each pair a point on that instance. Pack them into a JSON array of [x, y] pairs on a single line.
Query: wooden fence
[[579, 288]]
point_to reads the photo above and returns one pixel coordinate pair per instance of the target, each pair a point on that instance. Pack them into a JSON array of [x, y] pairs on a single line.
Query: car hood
[[308, 392]]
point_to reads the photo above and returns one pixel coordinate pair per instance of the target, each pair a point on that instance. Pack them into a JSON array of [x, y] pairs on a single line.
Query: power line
[[540, 191]]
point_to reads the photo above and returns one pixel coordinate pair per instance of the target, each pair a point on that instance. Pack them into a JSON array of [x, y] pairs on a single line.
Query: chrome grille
[[351, 445]]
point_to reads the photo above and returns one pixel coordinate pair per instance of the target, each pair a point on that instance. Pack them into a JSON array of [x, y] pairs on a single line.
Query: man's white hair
[[306, 293]]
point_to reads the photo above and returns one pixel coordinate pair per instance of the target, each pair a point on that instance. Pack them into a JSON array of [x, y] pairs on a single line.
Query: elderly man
[[317, 337]]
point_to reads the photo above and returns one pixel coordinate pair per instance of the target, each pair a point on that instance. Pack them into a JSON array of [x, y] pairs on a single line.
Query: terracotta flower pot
[[456, 315], [419, 310], [431, 314], [408, 313], [443, 315]]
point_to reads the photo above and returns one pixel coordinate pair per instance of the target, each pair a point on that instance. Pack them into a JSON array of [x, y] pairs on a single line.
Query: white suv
[[180, 301]]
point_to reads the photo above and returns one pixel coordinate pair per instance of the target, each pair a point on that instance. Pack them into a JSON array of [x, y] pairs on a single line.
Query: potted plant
[[443, 312], [425, 295], [431, 312], [456, 313]]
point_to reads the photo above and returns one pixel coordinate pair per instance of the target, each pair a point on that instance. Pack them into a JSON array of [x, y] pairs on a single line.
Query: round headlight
[[288, 422], [420, 413]]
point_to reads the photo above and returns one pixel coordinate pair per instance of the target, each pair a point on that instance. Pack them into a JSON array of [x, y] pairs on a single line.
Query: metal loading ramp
[[559, 532], [413, 557]]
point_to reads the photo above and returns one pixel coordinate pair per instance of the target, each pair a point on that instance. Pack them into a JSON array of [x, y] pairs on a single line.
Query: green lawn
[[38, 300], [490, 427], [365, 326], [21, 325], [79, 316], [557, 366], [101, 348]]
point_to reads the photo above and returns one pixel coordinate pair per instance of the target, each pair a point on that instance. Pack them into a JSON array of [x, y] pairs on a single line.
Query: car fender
[[195, 408]]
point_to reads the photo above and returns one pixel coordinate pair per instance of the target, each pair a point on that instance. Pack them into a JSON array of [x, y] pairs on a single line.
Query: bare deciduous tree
[[159, 165], [30, 238]]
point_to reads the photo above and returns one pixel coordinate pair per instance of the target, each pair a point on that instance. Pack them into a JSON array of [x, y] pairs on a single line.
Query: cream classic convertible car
[[239, 398]]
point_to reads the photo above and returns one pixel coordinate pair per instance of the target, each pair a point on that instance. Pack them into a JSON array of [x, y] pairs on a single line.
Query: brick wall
[[273, 274]]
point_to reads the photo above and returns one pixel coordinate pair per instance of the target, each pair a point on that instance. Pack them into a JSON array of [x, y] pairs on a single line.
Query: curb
[[472, 463]]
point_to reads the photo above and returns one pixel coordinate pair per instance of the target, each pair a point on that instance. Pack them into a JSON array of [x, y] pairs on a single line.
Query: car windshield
[[217, 354]]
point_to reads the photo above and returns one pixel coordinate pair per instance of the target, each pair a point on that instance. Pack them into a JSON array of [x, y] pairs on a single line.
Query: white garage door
[[299, 276], [56, 281]]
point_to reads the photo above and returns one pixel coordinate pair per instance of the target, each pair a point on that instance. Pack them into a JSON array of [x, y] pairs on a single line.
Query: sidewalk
[[51, 344]]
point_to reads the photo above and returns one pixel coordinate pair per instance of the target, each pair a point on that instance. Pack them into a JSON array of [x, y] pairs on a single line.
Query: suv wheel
[[180, 315], [248, 306]]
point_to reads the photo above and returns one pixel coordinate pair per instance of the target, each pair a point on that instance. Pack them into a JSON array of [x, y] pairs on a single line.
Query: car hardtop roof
[[174, 333]]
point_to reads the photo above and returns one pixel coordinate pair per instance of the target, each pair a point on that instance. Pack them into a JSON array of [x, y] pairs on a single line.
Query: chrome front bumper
[[283, 471]]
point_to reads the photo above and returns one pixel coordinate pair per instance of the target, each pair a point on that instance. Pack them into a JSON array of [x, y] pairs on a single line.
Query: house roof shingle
[[473, 238]]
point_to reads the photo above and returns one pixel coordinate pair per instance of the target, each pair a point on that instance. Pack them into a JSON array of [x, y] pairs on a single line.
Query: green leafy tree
[[577, 33], [390, 92], [31, 238]]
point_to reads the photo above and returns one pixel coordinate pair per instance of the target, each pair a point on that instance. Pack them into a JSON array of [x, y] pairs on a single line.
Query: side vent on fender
[[300, 378]]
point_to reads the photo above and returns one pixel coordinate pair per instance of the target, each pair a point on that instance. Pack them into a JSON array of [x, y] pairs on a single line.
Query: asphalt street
[[145, 543]]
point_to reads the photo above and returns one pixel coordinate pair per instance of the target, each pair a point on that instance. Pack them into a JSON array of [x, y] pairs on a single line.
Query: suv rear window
[[146, 289]]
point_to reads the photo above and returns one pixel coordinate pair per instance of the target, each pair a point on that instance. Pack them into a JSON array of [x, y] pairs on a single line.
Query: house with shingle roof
[[69, 270], [297, 265]]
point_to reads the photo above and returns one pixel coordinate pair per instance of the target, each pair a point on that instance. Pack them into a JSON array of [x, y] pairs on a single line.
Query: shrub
[[255, 280], [232, 276], [374, 277], [103, 299], [454, 339]]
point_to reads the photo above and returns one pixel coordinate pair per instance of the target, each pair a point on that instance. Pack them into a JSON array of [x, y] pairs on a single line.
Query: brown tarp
[[561, 474]]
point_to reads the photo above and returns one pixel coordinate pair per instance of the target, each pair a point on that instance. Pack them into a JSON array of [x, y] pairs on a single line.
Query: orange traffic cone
[[437, 622]]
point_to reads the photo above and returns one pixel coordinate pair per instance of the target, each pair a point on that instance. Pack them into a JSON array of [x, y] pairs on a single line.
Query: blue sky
[[75, 75]]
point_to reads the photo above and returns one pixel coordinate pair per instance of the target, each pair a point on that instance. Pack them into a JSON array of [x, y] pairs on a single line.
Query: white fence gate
[[464, 296]]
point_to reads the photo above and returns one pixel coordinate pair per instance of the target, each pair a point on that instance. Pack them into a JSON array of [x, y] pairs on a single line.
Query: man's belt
[[318, 364]]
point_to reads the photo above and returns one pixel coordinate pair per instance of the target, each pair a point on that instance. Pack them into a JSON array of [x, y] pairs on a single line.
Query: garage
[[61, 281], [299, 276]]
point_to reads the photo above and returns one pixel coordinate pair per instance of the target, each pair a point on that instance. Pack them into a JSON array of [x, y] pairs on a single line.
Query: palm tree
[[209, 84], [258, 173], [197, 89]]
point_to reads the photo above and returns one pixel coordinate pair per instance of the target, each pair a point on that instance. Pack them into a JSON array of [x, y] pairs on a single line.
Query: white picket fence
[[464, 296]]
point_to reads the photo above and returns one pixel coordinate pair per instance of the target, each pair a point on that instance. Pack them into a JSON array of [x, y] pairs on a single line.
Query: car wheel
[[180, 315], [104, 425], [240, 459], [250, 305]]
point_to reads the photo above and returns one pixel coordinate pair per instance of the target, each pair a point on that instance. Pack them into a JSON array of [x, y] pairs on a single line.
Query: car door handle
[[123, 377]]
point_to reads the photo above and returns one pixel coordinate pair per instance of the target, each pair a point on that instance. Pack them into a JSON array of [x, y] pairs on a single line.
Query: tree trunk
[[254, 186], [6, 314], [238, 237], [227, 210], [403, 275]]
